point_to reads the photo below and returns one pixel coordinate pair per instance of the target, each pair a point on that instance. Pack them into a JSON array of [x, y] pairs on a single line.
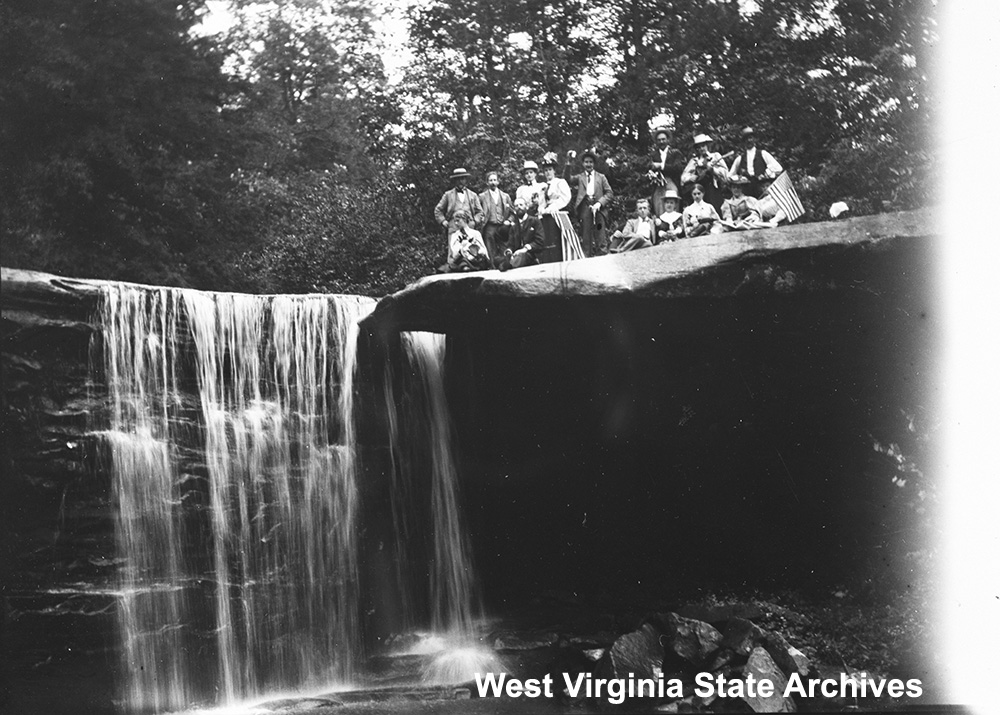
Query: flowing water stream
[[235, 471]]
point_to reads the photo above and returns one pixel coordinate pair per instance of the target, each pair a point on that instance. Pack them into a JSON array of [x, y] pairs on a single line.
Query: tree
[[112, 150]]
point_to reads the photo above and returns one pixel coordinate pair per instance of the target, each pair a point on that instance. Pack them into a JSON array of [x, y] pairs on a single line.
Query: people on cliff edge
[[458, 198], [670, 223], [527, 240], [591, 195], [498, 211], [707, 169], [466, 252], [666, 164], [531, 190], [700, 217], [561, 241], [638, 232], [740, 212], [755, 163]]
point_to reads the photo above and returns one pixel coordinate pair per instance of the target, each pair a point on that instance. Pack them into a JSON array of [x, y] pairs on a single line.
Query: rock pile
[[712, 659]]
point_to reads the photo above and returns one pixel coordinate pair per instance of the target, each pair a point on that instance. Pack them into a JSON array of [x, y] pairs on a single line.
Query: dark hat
[[462, 213], [459, 173], [550, 159], [739, 179]]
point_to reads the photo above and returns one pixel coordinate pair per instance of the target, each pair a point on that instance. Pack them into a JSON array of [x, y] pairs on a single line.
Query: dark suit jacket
[[578, 184], [528, 230], [672, 167], [486, 203]]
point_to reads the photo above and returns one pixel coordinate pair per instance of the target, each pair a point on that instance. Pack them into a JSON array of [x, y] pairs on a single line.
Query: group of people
[[493, 230]]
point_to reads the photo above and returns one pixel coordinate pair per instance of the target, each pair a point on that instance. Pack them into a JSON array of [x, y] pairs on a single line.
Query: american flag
[[571, 248], [784, 195]]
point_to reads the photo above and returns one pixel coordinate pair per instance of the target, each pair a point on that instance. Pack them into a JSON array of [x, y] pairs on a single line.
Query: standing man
[[497, 210], [592, 192], [666, 165], [459, 198], [707, 169], [756, 164]]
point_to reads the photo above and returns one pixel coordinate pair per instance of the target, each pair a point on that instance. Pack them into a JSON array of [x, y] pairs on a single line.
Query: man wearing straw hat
[[708, 169], [458, 198]]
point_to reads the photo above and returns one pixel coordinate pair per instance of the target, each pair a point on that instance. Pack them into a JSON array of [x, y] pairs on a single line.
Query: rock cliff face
[[718, 409], [721, 409]]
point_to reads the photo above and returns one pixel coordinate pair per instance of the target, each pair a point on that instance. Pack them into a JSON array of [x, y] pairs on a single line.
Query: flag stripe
[[783, 193], [571, 248]]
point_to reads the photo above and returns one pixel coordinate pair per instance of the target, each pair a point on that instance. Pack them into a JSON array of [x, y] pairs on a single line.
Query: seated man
[[740, 212], [527, 240], [770, 213], [639, 232], [700, 217], [466, 252], [670, 223]]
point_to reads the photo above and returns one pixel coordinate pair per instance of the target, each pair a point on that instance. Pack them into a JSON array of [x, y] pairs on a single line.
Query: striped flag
[[571, 248], [784, 195]]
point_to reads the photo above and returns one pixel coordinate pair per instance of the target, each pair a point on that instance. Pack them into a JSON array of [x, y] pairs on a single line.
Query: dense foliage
[[281, 155]]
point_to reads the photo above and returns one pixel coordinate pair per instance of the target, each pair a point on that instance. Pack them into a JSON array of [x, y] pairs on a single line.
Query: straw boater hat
[[671, 194], [702, 139], [662, 130], [529, 165], [459, 173], [747, 132]]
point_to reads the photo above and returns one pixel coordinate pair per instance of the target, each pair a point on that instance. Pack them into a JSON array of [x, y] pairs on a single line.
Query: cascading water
[[420, 437], [236, 513]]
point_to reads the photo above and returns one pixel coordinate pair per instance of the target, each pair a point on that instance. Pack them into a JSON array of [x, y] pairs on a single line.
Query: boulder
[[787, 657], [762, 667], [638, 653], [692, 640]]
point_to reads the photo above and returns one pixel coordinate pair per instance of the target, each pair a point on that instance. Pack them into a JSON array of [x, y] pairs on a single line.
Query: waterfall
[[236, 510], [421, 444]]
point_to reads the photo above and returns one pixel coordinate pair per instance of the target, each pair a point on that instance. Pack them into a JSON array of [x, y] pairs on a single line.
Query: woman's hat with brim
[[702, 139], [459, 173], [671, 194], [739, 179], [529, 165], [550, 159]]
